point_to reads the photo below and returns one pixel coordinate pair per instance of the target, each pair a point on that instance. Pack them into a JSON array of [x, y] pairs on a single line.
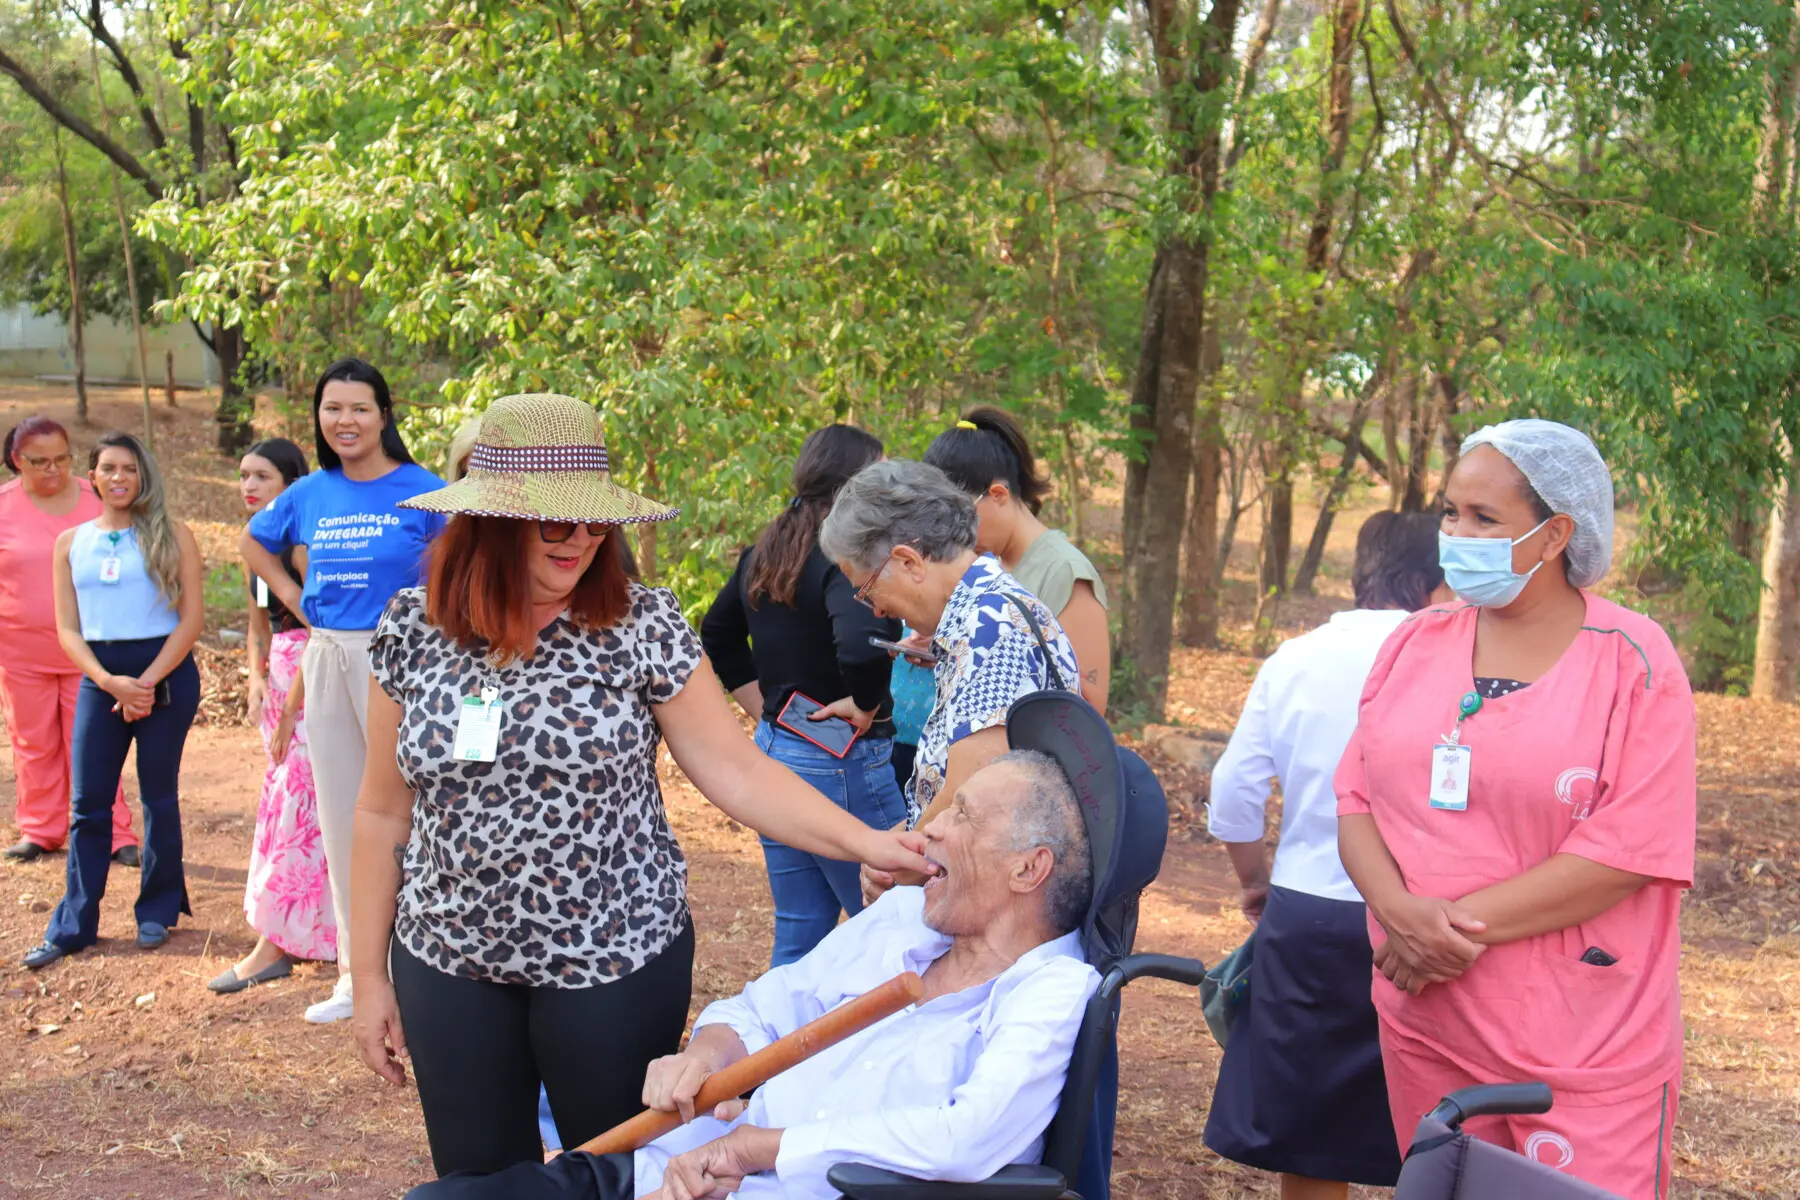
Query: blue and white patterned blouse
[[987, 658]]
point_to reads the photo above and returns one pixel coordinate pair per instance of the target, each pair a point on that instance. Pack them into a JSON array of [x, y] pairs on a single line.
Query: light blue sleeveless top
[[128, 610]]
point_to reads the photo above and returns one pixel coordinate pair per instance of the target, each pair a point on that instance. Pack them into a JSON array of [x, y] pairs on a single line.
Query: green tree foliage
[[728, 221], [723, 223], [32, 270]]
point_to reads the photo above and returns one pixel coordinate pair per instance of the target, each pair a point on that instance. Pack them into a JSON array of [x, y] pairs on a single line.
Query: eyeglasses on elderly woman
[[863, 592]]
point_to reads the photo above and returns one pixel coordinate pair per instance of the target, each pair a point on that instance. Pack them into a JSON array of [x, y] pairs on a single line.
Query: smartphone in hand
[[834, 735], [904, 651]]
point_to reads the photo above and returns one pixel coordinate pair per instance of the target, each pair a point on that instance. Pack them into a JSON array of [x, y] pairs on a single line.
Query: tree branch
[[96, 25], [1326, 429], [58, 112], [1253, 56]]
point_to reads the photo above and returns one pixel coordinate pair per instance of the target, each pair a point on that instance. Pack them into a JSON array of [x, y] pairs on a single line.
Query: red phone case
[[798, 727]]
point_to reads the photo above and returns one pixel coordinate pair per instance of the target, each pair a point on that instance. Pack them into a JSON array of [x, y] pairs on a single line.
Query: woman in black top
[[789, 622]]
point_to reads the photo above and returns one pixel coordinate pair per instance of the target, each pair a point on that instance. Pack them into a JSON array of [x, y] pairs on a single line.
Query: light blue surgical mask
[[1479, 570]]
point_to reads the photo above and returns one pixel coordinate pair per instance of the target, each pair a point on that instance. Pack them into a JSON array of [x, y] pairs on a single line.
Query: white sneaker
[[335, 1007]]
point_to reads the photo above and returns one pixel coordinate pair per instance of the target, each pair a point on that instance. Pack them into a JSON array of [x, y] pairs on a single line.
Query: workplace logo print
[[1576, 788], [1551, 1149]]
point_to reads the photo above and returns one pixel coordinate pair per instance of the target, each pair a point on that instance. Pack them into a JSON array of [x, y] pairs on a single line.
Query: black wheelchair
[[1127, 820]]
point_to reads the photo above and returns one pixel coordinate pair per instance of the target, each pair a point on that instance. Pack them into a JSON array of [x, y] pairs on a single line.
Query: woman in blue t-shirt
[[361, 548], [128, 611]]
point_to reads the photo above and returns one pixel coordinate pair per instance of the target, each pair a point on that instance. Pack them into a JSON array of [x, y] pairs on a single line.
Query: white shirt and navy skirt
[[1301, 1089], [125, 619]]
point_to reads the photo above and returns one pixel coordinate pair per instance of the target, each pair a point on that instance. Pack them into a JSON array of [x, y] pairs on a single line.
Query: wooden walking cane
[[754, 1070]]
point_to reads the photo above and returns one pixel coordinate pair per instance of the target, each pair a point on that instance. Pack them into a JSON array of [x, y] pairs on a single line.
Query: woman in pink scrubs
[[37, 681], [1517, 807]]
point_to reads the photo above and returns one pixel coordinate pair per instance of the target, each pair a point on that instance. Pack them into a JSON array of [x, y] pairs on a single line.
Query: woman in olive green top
[[986, 454]]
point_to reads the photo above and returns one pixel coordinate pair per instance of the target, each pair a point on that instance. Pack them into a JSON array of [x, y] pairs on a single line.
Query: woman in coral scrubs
[[38, 683], [1517, 807]]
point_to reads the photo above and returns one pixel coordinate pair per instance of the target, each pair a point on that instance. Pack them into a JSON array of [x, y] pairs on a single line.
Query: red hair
[[478, 588], [27, 429]]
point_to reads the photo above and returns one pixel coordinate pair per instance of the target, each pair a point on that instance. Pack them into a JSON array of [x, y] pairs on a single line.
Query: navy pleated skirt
[[1301, 1089]]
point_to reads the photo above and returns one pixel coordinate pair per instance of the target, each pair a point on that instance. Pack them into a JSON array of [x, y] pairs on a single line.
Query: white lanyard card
[[478, 732], [1450, 776]]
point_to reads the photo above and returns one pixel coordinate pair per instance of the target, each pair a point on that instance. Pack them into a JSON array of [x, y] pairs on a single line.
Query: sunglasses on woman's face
[[561, 531]]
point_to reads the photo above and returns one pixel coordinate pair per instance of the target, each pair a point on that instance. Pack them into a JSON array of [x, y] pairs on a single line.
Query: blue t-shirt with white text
[[361, 547]]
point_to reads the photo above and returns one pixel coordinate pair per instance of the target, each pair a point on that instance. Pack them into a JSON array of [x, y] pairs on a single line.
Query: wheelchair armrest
[[1162, 966], [1020, 1181], [1490, 1099]]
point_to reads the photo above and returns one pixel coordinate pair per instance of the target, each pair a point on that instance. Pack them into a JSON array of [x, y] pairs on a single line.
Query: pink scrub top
[[1596, 759], [27, 584]]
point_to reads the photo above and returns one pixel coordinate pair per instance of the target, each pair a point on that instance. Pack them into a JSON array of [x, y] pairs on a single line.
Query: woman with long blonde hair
[[128, 611]]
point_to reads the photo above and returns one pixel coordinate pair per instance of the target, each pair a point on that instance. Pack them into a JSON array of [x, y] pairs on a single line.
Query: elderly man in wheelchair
[[1042, 853]]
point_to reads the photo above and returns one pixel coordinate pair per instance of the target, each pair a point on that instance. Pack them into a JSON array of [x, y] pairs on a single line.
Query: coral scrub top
[[27, 578], [1595, 759]]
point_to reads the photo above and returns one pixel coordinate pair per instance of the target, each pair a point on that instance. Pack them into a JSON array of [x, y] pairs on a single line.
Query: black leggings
[[479, 1051]]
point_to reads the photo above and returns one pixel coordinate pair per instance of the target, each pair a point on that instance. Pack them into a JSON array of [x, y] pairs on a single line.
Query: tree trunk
[[137, 313], [1199, 591], [1418, 455], [1074, 501], [233, 416], [1390, 435], [1406, 471], [1778, 619], [1278, 527], [169, 376], [1236, 468], [1278, 512], [131, 288], [1449, 396], [1162, 517], [1340, 483], [1143, 404], [77, 321], [1778, 616], [1193, 62]]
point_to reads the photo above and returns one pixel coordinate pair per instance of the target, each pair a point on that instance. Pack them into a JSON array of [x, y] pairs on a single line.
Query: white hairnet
[[1563, 467]]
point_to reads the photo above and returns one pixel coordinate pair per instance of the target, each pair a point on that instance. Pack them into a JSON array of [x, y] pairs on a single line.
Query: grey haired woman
[[904, 536]]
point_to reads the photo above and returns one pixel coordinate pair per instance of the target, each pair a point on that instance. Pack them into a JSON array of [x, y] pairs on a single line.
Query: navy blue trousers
[[102, 738]]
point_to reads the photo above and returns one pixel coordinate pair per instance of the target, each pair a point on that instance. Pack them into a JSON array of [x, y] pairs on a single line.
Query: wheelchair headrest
[[1122, 805]]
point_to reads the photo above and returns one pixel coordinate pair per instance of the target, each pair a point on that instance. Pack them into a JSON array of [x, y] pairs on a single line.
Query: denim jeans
[[810, 891], [102, 739]]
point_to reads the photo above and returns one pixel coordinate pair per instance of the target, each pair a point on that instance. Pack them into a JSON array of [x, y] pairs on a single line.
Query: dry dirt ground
[[121, 1076]]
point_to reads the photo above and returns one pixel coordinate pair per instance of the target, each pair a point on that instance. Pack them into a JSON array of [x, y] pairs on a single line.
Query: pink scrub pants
[[40, 716], [1624, 1145]]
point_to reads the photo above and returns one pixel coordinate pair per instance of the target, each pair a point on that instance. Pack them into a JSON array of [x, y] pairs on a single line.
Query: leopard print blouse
[[554, 865]]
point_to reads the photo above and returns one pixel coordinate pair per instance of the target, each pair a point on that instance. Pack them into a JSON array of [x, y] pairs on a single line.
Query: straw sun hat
[[541, 457]]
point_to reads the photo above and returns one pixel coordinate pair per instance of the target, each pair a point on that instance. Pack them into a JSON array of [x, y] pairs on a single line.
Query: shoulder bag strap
[[1056, 679]]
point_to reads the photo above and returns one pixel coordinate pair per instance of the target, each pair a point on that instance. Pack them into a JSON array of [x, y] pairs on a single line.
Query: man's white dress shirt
[[952, 1089], [1299, 718]]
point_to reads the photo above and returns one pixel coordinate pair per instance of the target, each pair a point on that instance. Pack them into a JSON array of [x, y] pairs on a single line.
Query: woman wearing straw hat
[[519, 901]]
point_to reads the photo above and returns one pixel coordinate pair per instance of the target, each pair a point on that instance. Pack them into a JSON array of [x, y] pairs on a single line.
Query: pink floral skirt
[[288, 896]]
